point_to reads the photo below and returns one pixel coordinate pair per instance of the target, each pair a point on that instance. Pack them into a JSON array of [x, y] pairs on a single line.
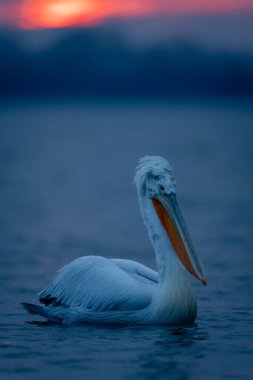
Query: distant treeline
[[93, 63]]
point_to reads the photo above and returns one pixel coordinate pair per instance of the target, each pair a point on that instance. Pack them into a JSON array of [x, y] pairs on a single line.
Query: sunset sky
[[29, 14]]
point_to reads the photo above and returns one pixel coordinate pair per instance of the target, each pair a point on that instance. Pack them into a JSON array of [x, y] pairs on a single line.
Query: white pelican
[[94, 289]]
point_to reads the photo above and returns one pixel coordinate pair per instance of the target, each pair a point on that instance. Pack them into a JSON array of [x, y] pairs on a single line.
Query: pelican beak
[[172, 220]]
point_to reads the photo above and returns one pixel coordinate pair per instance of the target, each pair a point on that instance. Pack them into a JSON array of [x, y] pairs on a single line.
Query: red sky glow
[[32, 14]]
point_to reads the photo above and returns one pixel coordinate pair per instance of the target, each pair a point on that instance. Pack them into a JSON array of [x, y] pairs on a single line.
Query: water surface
[[66, 190]]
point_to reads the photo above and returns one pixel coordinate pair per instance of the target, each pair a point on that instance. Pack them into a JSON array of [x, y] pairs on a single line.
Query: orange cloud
[[56, 13], [62, 13]]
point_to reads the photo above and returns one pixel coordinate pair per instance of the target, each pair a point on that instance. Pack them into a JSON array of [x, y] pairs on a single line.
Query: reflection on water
[[141, 352], [66, 190], [163, 358]]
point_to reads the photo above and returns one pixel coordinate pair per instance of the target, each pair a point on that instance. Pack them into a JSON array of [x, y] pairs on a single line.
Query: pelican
[[98, 290]]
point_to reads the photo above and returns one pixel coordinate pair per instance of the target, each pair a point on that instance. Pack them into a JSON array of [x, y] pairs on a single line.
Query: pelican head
[[155, 181]]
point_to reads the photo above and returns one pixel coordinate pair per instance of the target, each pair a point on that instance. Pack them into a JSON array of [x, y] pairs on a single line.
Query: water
[[66, 190]]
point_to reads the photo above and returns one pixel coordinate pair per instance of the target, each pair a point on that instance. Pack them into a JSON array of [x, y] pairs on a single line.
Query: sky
[[43, 14], [134, 47]]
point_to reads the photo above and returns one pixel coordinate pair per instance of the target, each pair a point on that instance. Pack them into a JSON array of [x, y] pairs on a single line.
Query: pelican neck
[[168, 265]]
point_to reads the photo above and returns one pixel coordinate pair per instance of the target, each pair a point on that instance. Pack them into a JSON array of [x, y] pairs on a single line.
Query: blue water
[[66, 190]]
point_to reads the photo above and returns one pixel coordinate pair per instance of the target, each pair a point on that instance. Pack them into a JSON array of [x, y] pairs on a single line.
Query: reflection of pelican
[[94, 289]]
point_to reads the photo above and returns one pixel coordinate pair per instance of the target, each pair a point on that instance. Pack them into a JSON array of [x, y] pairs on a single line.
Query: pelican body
[[98, 290]]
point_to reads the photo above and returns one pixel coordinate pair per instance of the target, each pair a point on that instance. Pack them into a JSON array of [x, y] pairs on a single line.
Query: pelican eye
[[161, 189]]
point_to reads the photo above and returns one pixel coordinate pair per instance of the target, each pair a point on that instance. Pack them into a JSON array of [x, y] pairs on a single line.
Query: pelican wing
[[99, 284], [138, 271]]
